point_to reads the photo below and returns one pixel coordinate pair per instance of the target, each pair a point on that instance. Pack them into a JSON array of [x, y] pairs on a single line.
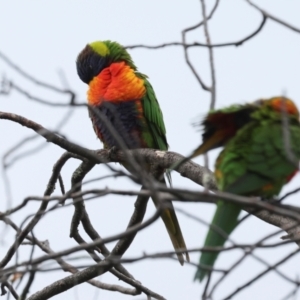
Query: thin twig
[[34, 80], [10, 288], [49, 190], [81, 215], [91, 272], [268, 15], [211, 57], [197, 44], [270, 268], [28, 285]]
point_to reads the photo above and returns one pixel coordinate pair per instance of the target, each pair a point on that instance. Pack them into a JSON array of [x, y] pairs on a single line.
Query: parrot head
[[99, 55], [276, 106]]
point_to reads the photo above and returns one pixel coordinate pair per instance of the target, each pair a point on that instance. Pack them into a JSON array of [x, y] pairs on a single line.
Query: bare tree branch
[[10, 288], [197, 44], [49, 190], [267, 15], [283, 216], [211, 57]]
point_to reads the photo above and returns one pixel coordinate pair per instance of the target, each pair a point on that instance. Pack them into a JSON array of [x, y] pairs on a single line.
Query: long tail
[[223, 223], [171, 222]]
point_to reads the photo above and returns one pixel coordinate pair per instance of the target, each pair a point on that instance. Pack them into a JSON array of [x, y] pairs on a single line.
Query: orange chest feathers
[[116, 83]]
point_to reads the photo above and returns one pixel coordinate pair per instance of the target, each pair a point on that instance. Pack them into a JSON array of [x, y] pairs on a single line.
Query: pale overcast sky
[[44, 38]]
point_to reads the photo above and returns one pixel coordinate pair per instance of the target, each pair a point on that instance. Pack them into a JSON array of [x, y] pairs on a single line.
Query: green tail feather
[[172, 225], [225, 220]]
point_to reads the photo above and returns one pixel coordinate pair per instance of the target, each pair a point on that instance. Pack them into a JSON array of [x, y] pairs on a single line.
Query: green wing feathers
[[256, 157], [154, 118]]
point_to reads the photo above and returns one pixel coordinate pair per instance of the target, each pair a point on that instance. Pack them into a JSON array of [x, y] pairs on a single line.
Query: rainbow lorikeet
[[127, 100], [257, 160]]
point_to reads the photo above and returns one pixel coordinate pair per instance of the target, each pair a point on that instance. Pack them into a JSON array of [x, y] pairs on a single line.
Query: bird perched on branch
[[261, 153], [122, 101]]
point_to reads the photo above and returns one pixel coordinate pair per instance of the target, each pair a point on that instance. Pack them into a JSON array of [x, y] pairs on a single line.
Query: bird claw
[[112, 151], [287, 237]]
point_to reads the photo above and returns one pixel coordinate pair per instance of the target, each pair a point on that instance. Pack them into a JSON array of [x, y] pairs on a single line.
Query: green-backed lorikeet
[[257, 160], [127, 100]]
